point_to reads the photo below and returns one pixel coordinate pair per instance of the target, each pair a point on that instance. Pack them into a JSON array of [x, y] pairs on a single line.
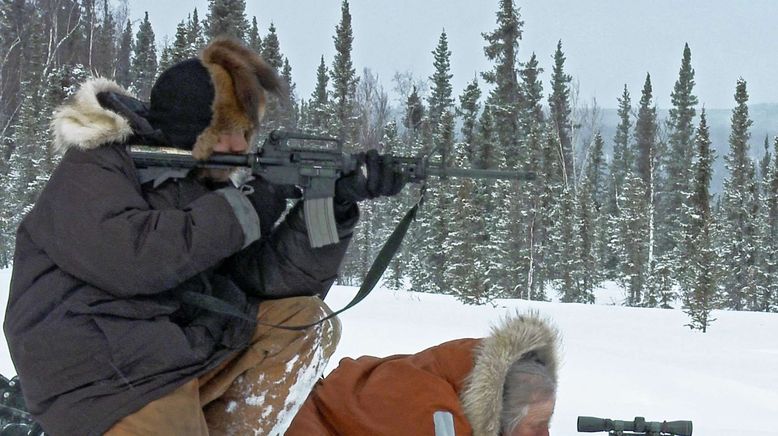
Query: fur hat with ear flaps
[[224, 91]]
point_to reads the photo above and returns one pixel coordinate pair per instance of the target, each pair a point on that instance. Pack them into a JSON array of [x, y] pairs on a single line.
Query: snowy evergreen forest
[[644, 215]]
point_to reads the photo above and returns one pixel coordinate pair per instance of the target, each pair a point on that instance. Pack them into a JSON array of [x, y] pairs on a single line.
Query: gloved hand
[[375, 177], [269, 201]]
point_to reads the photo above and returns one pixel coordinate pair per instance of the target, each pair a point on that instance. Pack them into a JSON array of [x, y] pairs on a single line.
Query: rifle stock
[[314, 170]]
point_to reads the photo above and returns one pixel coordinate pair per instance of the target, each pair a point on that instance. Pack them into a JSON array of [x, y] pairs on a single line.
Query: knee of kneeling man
[[309, 310], [330, 328]]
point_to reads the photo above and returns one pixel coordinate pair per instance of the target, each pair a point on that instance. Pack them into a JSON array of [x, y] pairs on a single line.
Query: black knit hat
[[181, 101]]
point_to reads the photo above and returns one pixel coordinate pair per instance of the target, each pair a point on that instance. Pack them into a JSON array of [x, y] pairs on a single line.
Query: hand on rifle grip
[[375, 176]]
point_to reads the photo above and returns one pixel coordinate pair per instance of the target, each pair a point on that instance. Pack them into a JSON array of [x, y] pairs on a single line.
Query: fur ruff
[[513, 338], [240, 80], [83, 123]]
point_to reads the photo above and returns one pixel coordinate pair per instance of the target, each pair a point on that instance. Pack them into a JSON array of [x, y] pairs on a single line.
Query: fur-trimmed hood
[[512, 338], [82, 122], [234, 79]]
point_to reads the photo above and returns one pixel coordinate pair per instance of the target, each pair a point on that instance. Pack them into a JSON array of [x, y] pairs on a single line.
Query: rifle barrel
[[480, 173]]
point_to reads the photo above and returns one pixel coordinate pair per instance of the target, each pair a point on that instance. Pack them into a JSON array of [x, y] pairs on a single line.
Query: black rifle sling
[[381, 262]]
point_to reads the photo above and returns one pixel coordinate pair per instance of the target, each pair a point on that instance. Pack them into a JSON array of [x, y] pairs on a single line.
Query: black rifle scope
[[590, 424]]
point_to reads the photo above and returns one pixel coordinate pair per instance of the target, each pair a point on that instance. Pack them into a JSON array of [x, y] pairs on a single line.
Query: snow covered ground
[[618, 362]]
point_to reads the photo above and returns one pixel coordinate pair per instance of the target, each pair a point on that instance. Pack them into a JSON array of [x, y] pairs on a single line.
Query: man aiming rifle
[[112, 321]]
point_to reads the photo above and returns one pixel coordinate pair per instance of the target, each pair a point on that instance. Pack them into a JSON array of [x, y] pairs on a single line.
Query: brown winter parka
[[95, 323]]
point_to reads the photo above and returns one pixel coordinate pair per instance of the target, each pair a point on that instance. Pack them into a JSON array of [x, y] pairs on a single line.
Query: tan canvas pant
[[258, 390]]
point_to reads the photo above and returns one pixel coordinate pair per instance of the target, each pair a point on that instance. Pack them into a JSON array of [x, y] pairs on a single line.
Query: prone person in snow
[[501, 385], [145, 302]]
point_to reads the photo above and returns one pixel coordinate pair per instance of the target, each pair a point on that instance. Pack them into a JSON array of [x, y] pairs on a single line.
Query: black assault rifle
[[315, 170]]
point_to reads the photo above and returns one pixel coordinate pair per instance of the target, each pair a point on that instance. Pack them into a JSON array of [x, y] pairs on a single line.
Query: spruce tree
[[622, 159], [254, 40], [547, 219], [738, 207], [560, 109], [180, 49], [440, 99], [144, 62], [589, 240], [620, 166], [166, 58], [532, 90], [469, 263], [678, 164], [700, 290], [595, 170], [658, 291], [769, 239], [593, 248], [271, 49], [418, 272], [499, 269], [505, 98], [344, 78], [441, 123], [468, 110], [529, 193], [397, 206], [289, 109], [438, 208], [569, 253], [319, 110], [763, 177], [123, 55], [226, 18], [278, 111], [470, 254], [646, 137], [104, 51], [630, 240], [195, 34]]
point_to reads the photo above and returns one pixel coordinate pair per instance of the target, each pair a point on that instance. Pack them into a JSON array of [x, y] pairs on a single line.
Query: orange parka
[[450, 389]]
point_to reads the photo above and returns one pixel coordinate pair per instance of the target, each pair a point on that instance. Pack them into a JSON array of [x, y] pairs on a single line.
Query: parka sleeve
[[94, 223], [285, 264]]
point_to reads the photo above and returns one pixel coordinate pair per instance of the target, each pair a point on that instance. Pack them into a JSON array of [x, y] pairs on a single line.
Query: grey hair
[[527, 382]]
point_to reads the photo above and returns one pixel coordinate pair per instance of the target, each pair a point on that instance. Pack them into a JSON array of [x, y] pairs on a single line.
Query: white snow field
[[617, 362]]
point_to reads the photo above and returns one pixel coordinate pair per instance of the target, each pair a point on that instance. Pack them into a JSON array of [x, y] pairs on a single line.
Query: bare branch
[[53, 51]]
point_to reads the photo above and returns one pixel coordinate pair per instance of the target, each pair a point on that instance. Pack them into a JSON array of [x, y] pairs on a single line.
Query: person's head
[[213, 103], [529, 396], [511, 390]]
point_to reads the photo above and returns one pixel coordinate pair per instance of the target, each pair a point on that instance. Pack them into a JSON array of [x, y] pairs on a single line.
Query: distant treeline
[[643, 216]]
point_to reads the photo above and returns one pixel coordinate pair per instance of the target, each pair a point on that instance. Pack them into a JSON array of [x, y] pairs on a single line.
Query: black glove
[[374, 177], [269, 201]]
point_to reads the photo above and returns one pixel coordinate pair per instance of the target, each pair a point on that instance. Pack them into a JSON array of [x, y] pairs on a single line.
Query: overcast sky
[[608, 43]]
